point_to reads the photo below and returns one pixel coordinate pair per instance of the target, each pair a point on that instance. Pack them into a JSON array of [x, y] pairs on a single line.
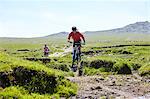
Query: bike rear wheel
[[80, 72]]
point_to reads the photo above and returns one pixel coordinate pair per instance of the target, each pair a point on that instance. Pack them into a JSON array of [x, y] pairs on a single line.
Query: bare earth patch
[[112, 86]]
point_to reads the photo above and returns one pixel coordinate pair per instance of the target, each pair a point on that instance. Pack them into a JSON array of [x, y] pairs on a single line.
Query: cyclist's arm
[[69, 36], [82, 37], [48, 48]]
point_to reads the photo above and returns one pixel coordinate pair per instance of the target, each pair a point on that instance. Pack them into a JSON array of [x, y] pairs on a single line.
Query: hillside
[[136, 31], [138, 27]]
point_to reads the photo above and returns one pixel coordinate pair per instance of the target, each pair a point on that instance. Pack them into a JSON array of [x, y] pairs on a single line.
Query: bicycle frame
[[76, 53], [76, 65]]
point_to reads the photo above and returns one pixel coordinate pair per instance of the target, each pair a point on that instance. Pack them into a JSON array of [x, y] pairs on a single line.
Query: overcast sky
[[35, 18]]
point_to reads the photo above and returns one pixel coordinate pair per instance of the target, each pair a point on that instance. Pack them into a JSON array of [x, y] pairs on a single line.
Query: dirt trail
[[61, 54], [112, 86], [109, 86]]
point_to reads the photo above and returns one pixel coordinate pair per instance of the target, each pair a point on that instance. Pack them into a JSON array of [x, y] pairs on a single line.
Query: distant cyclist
[[76, 36], [46, 50]]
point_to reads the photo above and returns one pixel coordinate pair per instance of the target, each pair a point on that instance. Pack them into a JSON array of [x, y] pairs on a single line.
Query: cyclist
[[46, 50], [76, 36]]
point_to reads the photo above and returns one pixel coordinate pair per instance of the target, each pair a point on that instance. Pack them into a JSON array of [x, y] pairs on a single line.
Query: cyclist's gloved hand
[[69, 41]]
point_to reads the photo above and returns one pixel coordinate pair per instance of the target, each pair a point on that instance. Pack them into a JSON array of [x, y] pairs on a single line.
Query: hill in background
[[138, 27], [136, 31]]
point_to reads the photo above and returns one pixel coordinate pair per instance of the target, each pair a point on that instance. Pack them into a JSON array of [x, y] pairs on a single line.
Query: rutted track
[[60, 54], [116, 86]]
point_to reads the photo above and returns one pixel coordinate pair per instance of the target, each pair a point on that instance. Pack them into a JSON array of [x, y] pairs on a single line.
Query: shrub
[[135, 66], [60, 66], [122, 68], [102, 64], [31, 80], [144, 70], [33, 77]]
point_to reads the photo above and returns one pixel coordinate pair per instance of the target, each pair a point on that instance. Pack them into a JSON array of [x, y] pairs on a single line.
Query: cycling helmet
[[74, 28]]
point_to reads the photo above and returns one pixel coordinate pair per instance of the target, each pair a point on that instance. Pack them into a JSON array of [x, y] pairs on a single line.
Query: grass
[[8, 63], [132, 57], [34, 77], [93, 71], [16, 92], [35, 49], [138, 55], [145, 69], [58, 68]]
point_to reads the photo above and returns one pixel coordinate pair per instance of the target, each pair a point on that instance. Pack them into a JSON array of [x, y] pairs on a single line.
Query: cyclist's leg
[[73, 56], [44, 54], [79, 56]]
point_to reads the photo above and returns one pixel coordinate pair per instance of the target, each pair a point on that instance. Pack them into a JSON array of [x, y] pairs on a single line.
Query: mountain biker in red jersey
[[76, 36]]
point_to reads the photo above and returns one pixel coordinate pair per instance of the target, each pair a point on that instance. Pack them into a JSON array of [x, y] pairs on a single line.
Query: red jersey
[[76, 36]]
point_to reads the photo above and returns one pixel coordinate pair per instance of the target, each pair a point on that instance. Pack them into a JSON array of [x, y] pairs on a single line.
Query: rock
[[113, 82], [96, 88], [92, 88], [99, 79], [23, 50], [112, 92], [90, 97]]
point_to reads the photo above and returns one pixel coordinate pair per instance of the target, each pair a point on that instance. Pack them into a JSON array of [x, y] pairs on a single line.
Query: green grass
[[35, 49], [20, 93], [93, 71], [139, 57], [8, 63], [36, 74], [34, 77], [145, 69]]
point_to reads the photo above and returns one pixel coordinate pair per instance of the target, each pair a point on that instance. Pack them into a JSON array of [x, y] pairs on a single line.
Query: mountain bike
[[76, 59]]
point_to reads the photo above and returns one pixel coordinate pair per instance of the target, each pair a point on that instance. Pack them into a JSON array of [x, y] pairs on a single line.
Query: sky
[[36, 18]]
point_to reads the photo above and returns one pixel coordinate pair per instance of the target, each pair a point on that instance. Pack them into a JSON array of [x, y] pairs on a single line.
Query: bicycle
[[76, 62]]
